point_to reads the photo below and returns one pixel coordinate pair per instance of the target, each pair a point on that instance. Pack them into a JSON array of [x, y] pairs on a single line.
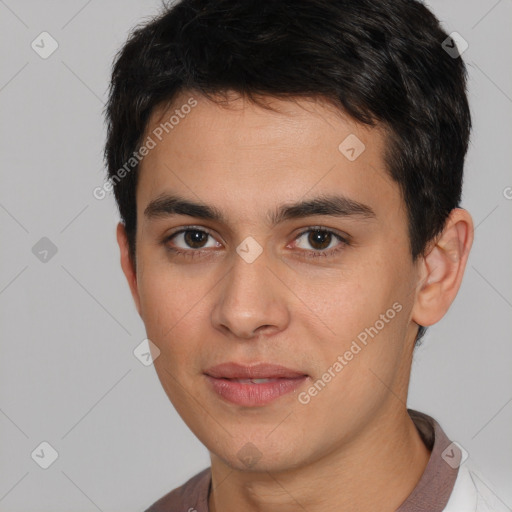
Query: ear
[[127, 264], [442, 268]]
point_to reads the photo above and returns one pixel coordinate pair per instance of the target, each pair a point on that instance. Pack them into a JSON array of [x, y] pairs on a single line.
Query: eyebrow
[[328, 205]]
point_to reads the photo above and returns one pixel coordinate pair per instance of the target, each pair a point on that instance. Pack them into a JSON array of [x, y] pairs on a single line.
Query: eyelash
[[192, 253], [323, 253]]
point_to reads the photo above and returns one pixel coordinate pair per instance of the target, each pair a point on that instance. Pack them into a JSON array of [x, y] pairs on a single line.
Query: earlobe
[[442, 269], [127, 264]]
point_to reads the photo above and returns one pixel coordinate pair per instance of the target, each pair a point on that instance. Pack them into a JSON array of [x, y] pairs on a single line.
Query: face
[[296, 254]]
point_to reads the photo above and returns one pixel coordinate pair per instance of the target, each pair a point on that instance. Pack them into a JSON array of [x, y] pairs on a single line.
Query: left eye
[[321, 240]]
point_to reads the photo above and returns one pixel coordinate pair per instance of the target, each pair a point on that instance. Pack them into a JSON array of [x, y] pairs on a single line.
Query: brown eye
[[319, 239], [320, 242], [190, 240], [195, 238]]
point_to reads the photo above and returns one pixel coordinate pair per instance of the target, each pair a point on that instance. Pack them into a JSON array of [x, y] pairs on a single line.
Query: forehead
[[245, 158]]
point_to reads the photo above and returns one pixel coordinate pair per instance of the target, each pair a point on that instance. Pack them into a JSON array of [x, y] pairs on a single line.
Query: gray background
[[68, 326]]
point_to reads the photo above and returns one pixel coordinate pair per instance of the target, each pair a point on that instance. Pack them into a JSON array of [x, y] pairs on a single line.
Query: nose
[[251, 300]]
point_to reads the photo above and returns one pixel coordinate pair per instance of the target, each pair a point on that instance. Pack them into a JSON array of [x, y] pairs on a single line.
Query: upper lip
[[255, 371]]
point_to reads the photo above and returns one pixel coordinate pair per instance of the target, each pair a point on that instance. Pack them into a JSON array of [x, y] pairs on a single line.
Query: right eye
[[189, 241]]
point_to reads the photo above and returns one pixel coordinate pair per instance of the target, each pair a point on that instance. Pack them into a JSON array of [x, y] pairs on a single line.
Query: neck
[[376, 471]]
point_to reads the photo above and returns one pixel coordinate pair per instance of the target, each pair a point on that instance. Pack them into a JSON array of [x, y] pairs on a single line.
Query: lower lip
[[251, 395]]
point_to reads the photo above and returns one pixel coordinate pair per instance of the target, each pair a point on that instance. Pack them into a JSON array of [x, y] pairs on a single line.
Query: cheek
[[167, 303], [365, 313], [176, 307], [351, 300], [360, 365]]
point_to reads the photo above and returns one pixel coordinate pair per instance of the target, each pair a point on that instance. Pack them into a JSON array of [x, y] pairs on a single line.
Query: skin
[[353, 447]]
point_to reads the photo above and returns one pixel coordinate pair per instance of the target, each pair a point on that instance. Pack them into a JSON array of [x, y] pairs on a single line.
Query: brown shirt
[[431, 494]]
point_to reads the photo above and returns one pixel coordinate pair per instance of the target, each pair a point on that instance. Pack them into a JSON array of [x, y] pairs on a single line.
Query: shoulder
[[472, 492], [192, 496]]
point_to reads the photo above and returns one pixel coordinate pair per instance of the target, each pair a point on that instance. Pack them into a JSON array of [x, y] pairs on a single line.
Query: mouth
[[253, 381], [254, 385]]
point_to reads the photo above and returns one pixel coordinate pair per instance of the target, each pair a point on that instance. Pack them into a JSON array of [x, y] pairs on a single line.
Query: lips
[[255, 385], [257, 371]]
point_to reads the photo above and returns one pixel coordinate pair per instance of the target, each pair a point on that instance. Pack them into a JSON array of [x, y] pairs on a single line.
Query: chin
[[258, 454]]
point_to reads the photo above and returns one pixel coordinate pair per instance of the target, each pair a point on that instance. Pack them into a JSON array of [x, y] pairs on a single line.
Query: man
[[289, 177]]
